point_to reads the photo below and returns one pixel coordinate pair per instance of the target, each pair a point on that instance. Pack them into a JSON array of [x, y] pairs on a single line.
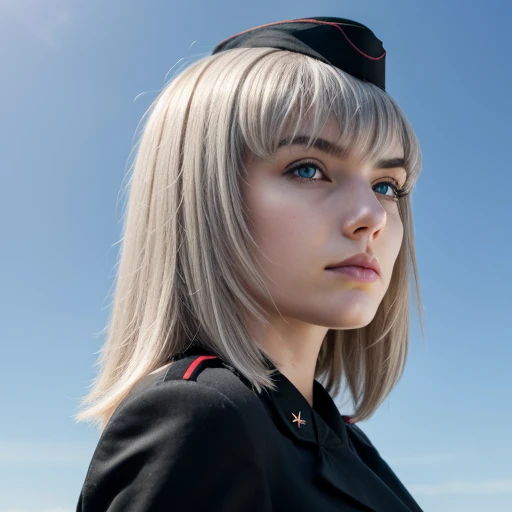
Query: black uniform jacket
[[198, 437]]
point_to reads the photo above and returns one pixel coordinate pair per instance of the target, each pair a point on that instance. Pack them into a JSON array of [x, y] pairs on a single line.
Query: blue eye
[[312, 167], [389, 185]]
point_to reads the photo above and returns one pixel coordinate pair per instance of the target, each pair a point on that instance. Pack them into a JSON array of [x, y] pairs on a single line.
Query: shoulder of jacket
[[193, 382]]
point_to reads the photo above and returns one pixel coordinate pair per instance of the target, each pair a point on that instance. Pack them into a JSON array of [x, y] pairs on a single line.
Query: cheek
[[391, 244], [397, 231], [286, 230]]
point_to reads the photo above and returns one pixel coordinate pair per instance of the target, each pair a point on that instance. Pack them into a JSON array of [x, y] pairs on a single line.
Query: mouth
[[355, 273], [361, 260]]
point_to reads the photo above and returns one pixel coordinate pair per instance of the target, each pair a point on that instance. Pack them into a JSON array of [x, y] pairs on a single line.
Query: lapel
[[345, 461], [358, 474], [372, 459]]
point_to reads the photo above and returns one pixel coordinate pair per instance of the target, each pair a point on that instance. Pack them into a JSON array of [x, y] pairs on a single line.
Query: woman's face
[[302, 227]]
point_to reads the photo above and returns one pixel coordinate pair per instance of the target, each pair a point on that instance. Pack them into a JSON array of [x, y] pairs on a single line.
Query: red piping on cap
[[308, 20], [197, 361]]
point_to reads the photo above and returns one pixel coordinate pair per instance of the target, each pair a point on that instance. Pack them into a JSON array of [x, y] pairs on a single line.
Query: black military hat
[[345, 44]]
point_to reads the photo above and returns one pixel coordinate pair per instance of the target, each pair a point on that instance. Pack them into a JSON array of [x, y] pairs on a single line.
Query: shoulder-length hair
[[187, 245]]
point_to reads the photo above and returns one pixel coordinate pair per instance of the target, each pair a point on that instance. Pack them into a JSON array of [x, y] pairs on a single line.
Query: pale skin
[[301, 228]]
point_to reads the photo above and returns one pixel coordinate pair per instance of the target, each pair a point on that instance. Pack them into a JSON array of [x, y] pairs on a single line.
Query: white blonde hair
[[187, 244]]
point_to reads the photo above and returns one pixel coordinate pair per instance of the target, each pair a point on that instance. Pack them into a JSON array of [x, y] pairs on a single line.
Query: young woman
[[266, 251]]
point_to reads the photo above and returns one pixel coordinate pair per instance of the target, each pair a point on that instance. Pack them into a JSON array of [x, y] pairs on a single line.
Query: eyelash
[[399, 192]]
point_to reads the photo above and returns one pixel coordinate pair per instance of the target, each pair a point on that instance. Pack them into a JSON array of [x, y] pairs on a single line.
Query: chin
[[355, 318]]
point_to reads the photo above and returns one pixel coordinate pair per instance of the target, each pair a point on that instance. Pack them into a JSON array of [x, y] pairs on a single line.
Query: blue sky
[[76, 79]]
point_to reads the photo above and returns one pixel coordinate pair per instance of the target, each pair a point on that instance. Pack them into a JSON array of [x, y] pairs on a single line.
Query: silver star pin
[[298, 420]]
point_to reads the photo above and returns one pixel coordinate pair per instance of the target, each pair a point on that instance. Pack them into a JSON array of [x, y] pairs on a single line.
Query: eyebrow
[[338, 151]]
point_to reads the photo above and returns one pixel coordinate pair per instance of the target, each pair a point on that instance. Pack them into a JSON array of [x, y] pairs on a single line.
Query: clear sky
[[76, 78]]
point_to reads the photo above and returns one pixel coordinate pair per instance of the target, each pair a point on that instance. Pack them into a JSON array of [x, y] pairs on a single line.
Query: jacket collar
[[346, 460], [320, 423]]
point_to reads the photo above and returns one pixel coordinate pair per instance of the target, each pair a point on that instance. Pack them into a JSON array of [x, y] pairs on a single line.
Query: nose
[[364, 214]]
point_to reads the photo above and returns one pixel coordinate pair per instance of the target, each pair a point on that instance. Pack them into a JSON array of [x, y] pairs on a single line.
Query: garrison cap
[[340, 42]]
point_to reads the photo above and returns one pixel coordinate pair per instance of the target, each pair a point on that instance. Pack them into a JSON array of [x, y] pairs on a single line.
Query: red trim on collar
[[197, 361], [348, 419]]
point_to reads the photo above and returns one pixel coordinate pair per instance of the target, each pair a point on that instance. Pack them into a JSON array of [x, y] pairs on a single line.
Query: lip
[[356, 273], [359, 260]]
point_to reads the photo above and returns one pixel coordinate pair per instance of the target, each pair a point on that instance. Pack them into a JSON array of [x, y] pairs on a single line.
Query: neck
[[293, 347]]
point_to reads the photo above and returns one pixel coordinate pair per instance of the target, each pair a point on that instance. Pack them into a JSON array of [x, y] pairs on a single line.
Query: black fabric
[[213, 443], [340, 42]]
